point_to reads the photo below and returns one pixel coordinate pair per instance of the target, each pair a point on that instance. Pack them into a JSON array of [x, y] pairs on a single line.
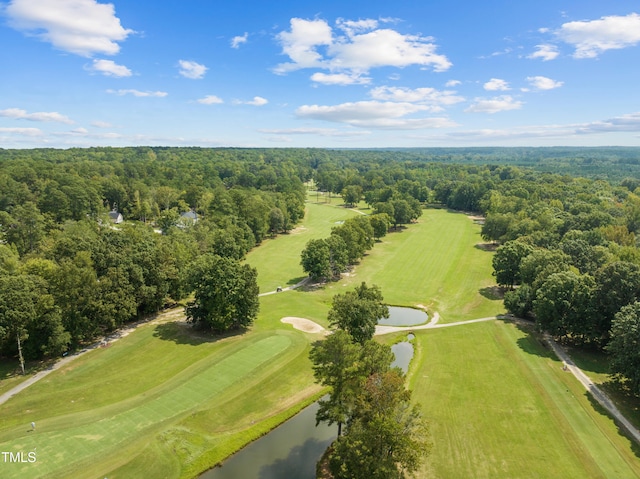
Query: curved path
[[162, 317]]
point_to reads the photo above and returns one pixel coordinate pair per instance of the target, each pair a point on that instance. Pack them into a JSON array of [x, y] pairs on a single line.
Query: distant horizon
[[361, 75]]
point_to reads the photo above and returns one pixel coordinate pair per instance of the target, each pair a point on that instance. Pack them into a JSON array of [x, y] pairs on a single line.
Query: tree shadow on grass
[[293, 281], [185, 333], [532, 343], [493, 293], [622, 431]]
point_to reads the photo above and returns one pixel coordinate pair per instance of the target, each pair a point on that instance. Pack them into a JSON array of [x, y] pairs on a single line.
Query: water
[[292, 450], [404, 317], [403, 352]]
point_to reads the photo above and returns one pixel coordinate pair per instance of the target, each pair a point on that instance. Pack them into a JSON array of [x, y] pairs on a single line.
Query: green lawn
[[167, 402], [278, 260], [501, 407]]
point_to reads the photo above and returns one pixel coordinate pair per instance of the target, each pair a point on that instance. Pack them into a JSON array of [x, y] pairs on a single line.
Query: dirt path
[[162, 317], [598, 394]]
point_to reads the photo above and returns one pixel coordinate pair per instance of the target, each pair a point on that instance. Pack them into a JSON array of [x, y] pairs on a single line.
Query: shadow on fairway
[[493, 293], [635, 447], [293, 281], [182, 333], [532, 343]]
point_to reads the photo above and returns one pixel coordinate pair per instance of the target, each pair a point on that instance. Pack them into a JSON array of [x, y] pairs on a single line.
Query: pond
[[289, 451], [404, 317], [292, 449]]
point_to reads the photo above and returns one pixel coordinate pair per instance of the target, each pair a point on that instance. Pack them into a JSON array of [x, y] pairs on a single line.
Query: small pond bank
[[292, 449]]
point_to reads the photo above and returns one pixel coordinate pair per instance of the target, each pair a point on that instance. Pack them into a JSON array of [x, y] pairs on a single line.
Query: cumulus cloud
[[452, 83], [257, 101], [496, 84], [494, 105], [83, 27], [210, 100], [543, 83], [340, 79], [139, 93], [593, 37], [19, 114], [425, 96], [356, 46], [110, 68], [239, 40], [192, 70], [301, 42], [374, 114], [545, 52]]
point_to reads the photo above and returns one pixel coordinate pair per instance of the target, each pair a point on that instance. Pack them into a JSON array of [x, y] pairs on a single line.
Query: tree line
[[68, 274]]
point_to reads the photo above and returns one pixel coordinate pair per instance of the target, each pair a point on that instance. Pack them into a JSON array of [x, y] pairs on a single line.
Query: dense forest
[[564, 220]]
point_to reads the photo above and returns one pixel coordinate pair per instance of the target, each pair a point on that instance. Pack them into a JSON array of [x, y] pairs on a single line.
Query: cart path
[[162, 317], [594, 390], [597, 393]]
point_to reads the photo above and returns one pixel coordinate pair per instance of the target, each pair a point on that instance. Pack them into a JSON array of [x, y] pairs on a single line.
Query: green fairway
[[435, 263], [104, 407], [166, 401], [278, 260], [501, 407]]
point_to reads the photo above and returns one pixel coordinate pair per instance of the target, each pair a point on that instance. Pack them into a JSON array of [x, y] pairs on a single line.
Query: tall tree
[[335, 365], [226, 294], [358, 311], [623, 347]]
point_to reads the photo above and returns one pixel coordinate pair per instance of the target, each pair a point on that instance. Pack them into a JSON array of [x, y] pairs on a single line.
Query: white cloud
[[328, 132], [544, 83], [452, 83], [257, 101], [340, 79], [139, 93], [192, 70], [22, 131], [301, 42], [591, 38], [312, 44], [101, 124], [496, 84], [83, 27], [545, 52], [239, 40], [426, 96], [374, 114], [20, 114], [494, 105], [386, 47], [211, 100], [110, 68], [625, 123]]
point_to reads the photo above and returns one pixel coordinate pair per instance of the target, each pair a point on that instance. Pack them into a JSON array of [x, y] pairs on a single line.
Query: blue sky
[[352, 74]]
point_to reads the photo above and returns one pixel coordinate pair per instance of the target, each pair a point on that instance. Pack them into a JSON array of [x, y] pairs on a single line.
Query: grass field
[[501, 407], [167, 402]]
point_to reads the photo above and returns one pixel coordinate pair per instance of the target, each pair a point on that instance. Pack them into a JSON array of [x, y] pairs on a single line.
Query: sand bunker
[[303, 324]]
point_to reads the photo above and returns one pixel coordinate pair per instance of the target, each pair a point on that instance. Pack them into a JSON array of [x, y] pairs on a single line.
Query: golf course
[[168, 401]]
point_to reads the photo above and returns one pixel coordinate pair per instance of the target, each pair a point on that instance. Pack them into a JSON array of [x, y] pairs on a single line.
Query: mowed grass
[[436, 263], [500, 406], [166, 402], [131, 403], [278, 260]]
